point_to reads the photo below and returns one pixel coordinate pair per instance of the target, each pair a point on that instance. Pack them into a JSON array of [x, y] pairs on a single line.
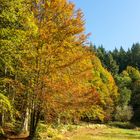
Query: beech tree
[[58, 57], [42, 54]]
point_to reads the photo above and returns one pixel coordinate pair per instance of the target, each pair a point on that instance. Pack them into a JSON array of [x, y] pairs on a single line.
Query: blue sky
[[112, 23]]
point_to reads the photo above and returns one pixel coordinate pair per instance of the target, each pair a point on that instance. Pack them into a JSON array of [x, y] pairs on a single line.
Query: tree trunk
[[35, 116], [26, 122], [59, 119], [1, 120]]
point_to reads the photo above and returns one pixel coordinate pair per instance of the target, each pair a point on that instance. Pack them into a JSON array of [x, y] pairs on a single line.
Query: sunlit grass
[[107, 133]]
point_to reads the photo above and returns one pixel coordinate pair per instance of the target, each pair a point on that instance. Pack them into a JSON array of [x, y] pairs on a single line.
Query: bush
[[53, 132], [123, 114], [47, 131], [42, 128], [94, 114]]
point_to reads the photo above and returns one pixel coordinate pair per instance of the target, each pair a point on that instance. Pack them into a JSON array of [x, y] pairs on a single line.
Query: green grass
[[103, 133], [112, 131]]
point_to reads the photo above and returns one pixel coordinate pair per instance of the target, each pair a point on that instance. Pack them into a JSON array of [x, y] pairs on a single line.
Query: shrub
[[95, 113], [123, 114], [42, 127]]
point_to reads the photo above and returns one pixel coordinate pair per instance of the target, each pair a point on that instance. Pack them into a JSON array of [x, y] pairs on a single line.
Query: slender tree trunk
[[26, 122], [2, 118], [58, 120]]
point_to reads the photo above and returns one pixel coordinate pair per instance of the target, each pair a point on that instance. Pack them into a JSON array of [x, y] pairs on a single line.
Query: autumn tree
[[106, 93], [16, 26], [57, 58]]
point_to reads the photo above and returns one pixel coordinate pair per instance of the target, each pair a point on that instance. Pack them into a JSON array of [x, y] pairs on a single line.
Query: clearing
[[102, 132]]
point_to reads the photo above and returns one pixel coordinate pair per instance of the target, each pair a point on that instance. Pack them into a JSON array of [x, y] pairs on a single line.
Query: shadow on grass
[[124, 125]]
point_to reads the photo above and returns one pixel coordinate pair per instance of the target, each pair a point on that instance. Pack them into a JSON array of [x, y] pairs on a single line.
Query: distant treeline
[[125, 68], [117, 60]]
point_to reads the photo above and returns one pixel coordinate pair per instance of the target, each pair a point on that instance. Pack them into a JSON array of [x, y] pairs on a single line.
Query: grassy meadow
[[108, 133], [112, 131]]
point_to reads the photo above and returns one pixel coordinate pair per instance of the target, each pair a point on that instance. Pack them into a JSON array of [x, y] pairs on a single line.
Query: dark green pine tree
[[115, 54], [135, 56], [107, 60], [122, 62], [101, 54], [111, 64]]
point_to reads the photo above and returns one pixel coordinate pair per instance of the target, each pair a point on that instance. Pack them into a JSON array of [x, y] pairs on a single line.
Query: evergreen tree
[[135, 55], [111, 64]]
